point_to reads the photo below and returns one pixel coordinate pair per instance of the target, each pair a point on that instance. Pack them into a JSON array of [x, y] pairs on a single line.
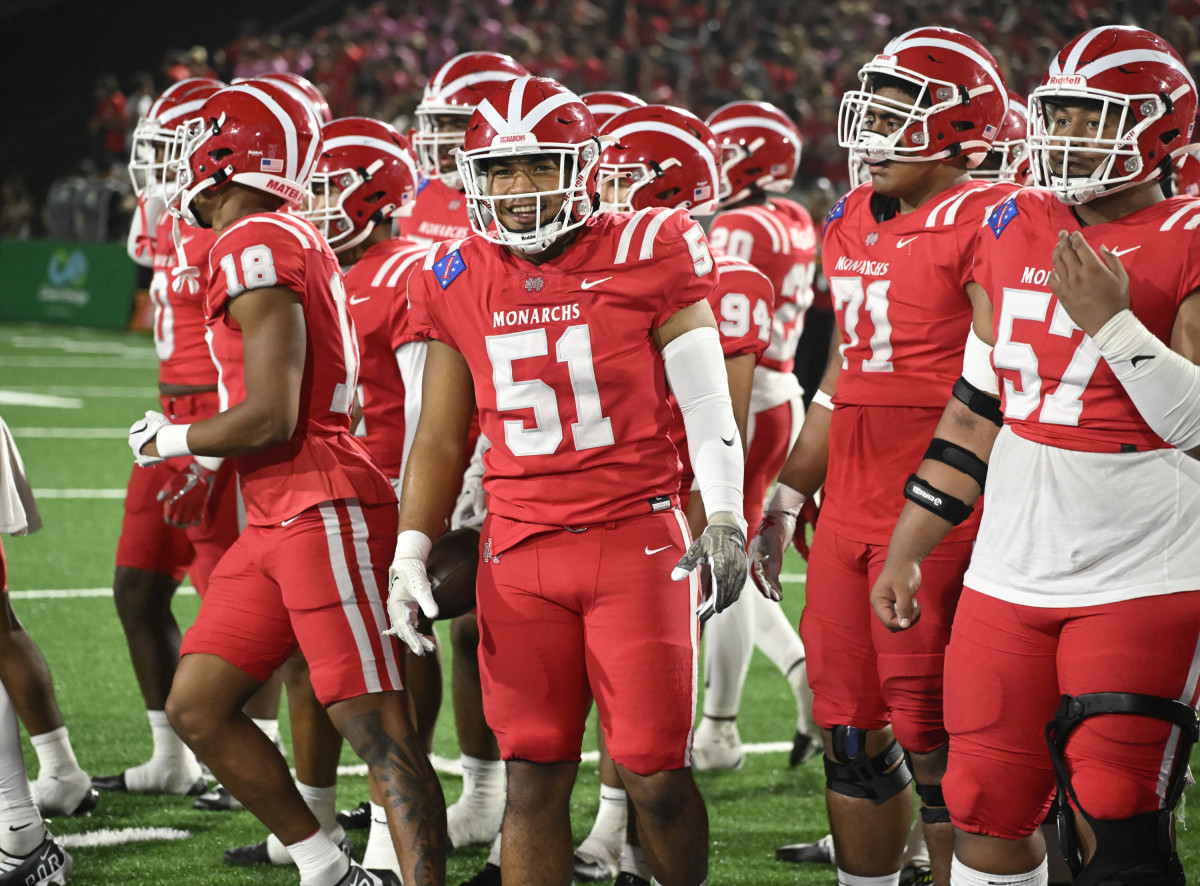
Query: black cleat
[[803, 749], [217, 800], [489, 876], [356, 819], [820, 852], [386, 878], [625, 878], [356, 876], [48, 864], [257, 853], [916, 875], [87, 805]]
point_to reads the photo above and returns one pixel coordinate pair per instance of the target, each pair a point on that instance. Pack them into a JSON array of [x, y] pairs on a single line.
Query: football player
[[761, 152], [181, 515], [565, 327], [605, 104], [1083, 592], [927, 110], [307, 571], [1008, 160], [449, 99]]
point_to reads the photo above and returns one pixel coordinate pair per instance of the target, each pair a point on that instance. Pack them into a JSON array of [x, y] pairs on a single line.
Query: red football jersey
[[376, 290], [778, 238], [742, 303], [898, 294], [439, 213], [570, 387], [322, 461], [179, 316], [1055, 387]]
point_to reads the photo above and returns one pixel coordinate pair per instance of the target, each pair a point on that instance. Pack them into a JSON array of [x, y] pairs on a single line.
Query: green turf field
[[69, 396]]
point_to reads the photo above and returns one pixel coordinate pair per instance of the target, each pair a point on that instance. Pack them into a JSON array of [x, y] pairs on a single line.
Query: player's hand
[[409, 591], [185, 496], [722, 546], [775, 533], [809, 513], [1091, 288], [142, 432], [471, 506], [894, 595]]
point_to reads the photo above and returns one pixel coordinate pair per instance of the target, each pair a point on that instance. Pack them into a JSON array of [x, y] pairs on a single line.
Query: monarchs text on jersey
[[570, 387], [321, 461]]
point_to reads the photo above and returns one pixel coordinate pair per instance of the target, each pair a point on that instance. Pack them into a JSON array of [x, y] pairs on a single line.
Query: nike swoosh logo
[[650, 553], [588, 284], [290, 521], [138, 429], [728, 442], [1134, 361], [21, 828], [1120, 252], [900, 244], [358, 301]]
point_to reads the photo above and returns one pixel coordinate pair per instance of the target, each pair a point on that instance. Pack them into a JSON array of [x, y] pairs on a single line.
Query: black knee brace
[[1135, 850], [933, 804], [852, 773]]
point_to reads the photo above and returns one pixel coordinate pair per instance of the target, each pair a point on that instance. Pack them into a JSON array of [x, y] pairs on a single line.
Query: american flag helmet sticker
[[271, 164]]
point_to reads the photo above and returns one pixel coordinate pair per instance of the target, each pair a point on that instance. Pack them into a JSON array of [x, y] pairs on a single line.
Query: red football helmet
[[606, 105], [156, 130], [668, 156], [1008, 160], [531, 116], [371, 169], [307, 89], [1147, 101], [760, 149], [256, 134], [456, 90], [957, 106]]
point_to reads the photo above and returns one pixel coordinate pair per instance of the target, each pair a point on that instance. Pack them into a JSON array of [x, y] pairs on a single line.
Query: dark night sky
[[51, 52]]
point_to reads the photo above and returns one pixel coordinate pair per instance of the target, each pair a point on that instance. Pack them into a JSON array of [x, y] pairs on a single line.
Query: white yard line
[[109, 837], [72, 433], [74, 391], [45, 401], [79, 494], [135, 361]]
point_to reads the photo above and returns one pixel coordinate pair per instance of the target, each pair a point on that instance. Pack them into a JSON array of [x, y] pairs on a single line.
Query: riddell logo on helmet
[[1075, 81]]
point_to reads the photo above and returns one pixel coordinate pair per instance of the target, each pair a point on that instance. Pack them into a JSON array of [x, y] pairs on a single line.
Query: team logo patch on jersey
[[836, 212], [1002, 215], [448, 267], [534, 284], [872, 238], [422, 184]]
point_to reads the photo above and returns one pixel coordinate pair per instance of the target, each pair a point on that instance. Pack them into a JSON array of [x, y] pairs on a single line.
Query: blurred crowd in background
[[798, 54]]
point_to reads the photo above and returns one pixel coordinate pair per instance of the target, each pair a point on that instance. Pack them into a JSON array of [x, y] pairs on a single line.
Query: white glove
[[408, 589], [471, 506], [142, 432], [772, 538], [722, 546]]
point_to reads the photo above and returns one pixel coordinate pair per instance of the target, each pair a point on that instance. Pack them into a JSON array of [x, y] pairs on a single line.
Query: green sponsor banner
[[81, 284]]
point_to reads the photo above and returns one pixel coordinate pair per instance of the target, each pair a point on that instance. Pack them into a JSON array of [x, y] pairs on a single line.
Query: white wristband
[[413, 544], [211, 462], [785, 499], [172, 441], [820, 398], [977, 365]]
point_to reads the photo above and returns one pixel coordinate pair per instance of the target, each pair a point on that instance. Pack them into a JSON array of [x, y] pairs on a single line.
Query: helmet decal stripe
[[180, 112], [365, 141], [974, 56], [776, 126], [516, 98], [1132, 56], [285, 121], [472, 80], [675, 132], [544, 108], [1069, 64], [435, 85], [493, 118]]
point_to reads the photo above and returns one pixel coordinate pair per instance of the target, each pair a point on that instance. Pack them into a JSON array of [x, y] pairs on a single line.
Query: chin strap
[[184, 275]]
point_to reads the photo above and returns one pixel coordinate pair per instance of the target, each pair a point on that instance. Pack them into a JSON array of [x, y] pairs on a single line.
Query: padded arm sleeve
[[1163, 385], [410, 357], [696, 372]]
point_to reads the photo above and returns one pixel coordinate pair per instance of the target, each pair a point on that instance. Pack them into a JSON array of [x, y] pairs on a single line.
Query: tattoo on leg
[[410, 788]]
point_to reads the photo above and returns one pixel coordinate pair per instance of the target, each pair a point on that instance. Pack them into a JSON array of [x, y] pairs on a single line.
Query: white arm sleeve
[[410, 357], [977, 365], [1163, 385], [696, 372]]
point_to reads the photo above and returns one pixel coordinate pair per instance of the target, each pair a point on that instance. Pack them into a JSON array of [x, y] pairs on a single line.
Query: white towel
[[18, 511]]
